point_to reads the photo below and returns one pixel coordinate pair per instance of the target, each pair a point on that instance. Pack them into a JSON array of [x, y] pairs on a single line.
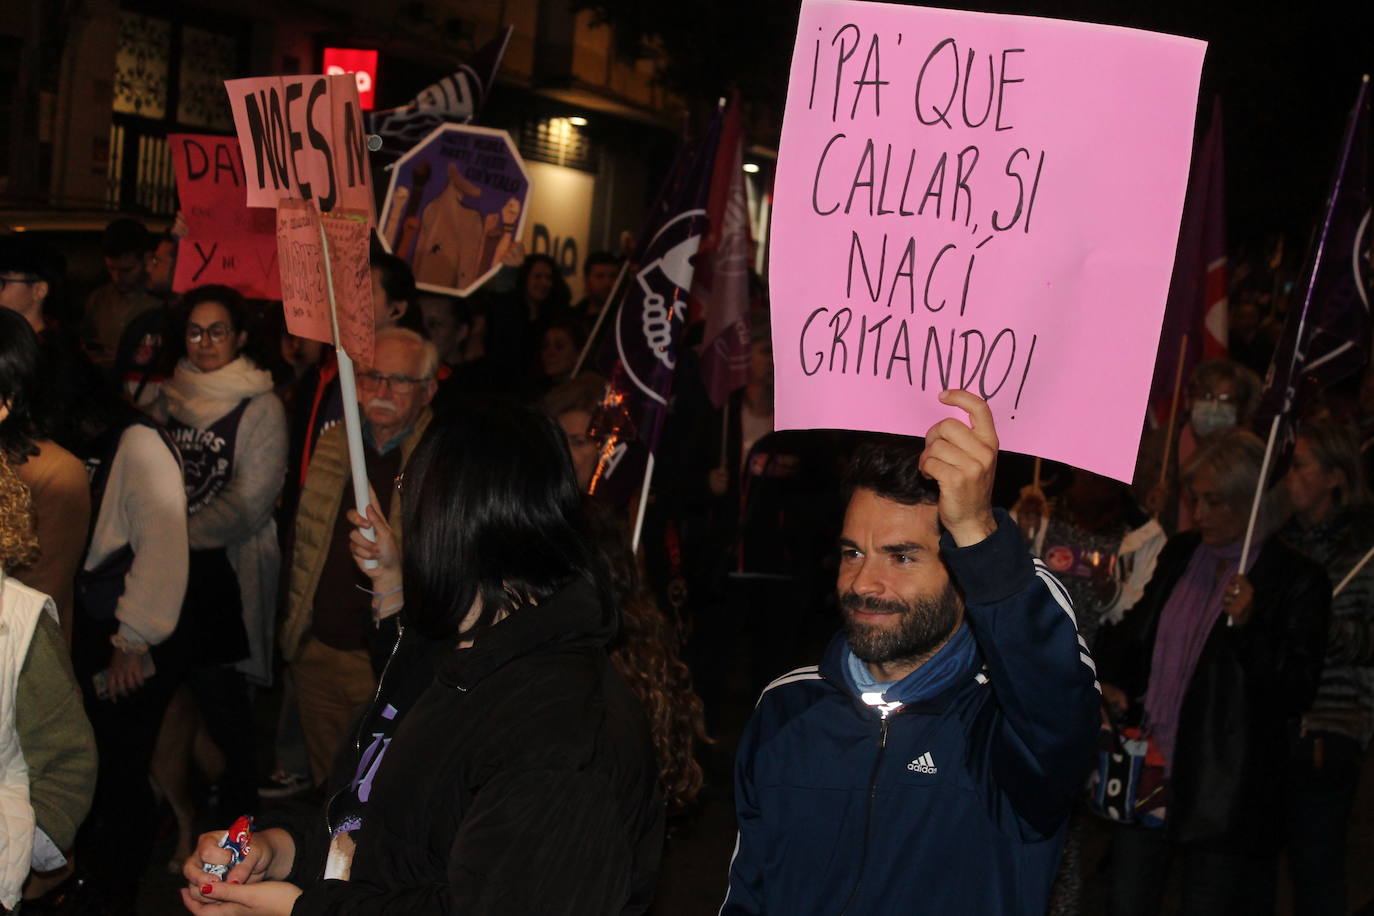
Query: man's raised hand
[[962, 459]]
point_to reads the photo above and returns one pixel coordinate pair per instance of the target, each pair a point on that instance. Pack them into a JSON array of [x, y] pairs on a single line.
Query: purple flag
[[1197, 290], [639, 352], [720, 289], [1325, 339]]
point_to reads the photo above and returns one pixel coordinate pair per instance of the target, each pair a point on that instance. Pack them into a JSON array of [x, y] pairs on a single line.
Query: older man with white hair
[[336, 635]]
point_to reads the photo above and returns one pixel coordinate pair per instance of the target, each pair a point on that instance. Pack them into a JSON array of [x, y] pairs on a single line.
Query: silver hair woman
[[1212, 663]]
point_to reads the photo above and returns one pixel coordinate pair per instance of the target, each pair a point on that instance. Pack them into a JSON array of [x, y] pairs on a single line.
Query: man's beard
[[922, 626]]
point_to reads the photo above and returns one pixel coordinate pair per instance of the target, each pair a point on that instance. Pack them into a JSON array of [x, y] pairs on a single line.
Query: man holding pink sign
[[929, 762], [973, 212]]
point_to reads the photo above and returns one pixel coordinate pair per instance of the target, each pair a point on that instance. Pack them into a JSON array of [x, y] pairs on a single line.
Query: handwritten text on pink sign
[[227, 241], [967, 200]]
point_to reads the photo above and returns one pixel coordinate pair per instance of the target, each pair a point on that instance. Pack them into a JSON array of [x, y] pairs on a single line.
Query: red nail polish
[[206, 889], [233, 882]]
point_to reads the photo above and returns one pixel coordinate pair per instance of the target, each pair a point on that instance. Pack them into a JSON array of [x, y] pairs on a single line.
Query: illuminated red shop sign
[[358, 61]]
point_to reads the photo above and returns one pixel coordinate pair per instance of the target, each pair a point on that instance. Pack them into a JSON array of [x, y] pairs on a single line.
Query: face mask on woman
[[1209, 416]]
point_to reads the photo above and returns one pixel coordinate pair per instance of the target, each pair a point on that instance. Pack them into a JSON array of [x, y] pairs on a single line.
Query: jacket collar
[[572, 617], [908, 691]]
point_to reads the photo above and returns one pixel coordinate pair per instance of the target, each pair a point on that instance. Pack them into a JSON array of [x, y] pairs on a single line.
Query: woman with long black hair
[[504, 766]]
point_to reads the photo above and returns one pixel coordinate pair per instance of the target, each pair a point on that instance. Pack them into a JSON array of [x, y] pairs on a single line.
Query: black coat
[[520, 779], [1250, 683]]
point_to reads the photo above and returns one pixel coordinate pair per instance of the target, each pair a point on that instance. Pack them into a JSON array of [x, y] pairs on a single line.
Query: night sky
[[1287, 76]]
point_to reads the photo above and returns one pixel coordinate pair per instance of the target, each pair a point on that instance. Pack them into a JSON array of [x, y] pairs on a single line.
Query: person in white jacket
[[128, 649]]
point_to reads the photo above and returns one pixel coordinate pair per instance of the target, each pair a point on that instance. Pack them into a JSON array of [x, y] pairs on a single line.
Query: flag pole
[[1255, 503], [1364, 561], [1173, 412], [643, 504], [348, 389], [600, 319]]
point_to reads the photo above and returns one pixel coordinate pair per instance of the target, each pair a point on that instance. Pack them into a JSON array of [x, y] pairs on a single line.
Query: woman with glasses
[[229, 426], [503, 765]]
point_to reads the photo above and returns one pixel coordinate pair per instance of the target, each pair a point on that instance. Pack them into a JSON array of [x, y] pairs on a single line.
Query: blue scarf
[[938, 674]]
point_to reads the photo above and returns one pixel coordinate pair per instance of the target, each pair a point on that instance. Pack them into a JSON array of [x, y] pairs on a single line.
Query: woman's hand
[[1031, 506], [269, 855], [266, 898], [1238, 599], [125, 674], [1156, 499], [1115, 698]]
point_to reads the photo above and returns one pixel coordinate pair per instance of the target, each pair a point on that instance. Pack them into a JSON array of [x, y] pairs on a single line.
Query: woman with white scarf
[[221, 412]]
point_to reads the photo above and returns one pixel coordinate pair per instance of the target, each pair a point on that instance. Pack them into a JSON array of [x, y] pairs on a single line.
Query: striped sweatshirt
[[1345, 697]]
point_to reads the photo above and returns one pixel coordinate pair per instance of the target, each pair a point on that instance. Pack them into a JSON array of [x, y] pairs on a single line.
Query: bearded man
[[928, 764]]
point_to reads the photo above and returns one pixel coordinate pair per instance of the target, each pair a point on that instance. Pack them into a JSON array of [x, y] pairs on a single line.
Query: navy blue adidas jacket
[[952, 804]]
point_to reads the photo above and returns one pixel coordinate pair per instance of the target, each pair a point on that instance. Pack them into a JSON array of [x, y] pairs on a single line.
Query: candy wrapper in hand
[[237, 840]]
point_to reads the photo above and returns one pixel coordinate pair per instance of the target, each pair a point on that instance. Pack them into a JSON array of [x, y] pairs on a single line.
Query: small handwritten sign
[[305, 297], [302, 139], [227, 241]]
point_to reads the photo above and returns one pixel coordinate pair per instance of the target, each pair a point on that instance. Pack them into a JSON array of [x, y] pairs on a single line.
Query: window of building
[[169, 78]]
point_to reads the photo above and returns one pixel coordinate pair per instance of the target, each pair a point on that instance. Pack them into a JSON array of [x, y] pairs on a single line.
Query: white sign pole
[[600, 319], [348, 389]]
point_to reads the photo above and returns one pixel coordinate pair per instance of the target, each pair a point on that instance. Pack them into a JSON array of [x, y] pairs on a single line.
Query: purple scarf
[[1190, 612]]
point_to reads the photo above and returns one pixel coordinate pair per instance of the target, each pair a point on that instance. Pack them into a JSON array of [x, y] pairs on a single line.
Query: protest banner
[[304, 295], [227, 241], [302, 138], [455, 205], [978, 201]]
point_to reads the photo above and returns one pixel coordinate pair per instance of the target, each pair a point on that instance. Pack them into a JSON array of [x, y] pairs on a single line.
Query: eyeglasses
[[1225, 398], [6, 281], [217, 332], [400, 384]]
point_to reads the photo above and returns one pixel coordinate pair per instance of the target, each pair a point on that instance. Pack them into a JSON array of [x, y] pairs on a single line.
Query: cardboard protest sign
[[977, 201], [305, 298], [456, 204], [227, 241], [303, 139]]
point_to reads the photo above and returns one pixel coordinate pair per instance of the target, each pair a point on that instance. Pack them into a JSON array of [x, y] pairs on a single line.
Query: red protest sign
[[226, 242], [303, 138], [305, 296]]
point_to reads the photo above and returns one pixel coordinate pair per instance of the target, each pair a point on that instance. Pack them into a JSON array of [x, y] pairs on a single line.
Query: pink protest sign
[[305, 297], [302, 138], [227, 241], [967, 200]]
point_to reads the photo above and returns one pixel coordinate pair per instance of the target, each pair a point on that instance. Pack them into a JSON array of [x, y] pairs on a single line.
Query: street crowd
[[499, 706]]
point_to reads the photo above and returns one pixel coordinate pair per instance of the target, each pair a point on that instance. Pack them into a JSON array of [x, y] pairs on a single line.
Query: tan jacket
[[318, 511]]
